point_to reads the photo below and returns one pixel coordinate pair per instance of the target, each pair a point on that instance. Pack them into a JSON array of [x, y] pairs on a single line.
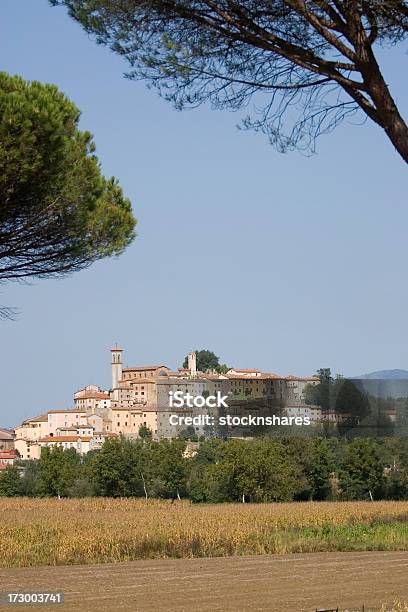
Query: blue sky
[[282, 262]]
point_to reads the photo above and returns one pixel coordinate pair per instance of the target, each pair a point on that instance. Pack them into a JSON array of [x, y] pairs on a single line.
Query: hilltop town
[[139, 400]]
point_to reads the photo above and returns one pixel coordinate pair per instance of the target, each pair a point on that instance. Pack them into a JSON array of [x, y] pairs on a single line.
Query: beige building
[[33, 429], [127, 421], [134, 393], [98, 422], [27, 448], [80, 443], [141, 372], [82, 439], [65, 418], [91, 399]]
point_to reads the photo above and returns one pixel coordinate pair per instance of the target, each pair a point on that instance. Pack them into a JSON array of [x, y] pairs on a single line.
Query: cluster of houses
[[139, 398], [8, 454]]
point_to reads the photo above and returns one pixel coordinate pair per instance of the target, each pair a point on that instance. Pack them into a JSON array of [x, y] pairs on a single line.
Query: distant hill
[[385, 375], [384, 383]]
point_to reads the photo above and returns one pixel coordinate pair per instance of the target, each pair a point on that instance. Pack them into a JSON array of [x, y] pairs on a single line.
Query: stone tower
[[192, 363], [116, 366]]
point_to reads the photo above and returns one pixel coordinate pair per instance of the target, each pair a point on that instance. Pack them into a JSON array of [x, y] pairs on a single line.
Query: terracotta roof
[[147, 367], [137, 408], [308, 378], [68, 411], [124, 409], [65, 439], [42, 418], [151, 409], [5, 435], [131, 382], [8, 454], [94, 395], [75, 427], [245, 370], [249, 378]]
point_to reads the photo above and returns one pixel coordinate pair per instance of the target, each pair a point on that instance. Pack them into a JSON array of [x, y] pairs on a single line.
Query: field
[[277, 583], [54, 532]]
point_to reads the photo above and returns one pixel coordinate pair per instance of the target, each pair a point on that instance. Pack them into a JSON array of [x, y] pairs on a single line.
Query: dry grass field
[[88, 531]]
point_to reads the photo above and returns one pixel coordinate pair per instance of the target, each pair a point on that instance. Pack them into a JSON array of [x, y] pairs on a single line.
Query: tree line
[[258, 470]]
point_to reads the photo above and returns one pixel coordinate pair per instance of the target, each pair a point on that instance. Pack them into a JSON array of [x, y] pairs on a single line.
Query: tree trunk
[[392, 122], [144, 487], [388, 115], [397, 132]]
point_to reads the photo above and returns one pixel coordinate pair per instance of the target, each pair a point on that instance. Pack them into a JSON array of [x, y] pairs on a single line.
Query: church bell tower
[[116, 366], [192, 363]]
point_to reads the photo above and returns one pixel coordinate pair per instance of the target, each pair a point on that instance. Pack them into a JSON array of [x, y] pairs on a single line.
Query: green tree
[[349, 399], [312, 63], [58, 213], [361, 472], [58, 470], [321, 394], [209, 484], [208, 451], [120, 466], [10, 482], [168, 475], [30, 478], [82, 487], [254, 471], [145, 432], [207, 361], [189, 433], [322, 466]]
